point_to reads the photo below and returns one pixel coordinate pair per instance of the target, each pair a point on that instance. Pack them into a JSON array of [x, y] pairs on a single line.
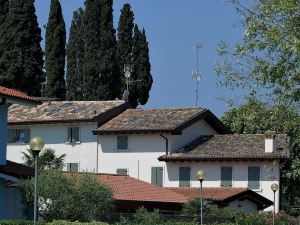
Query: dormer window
[[122, 143]]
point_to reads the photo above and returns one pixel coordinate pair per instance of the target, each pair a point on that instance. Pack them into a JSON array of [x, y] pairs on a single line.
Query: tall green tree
[[141, 70], [125, 35], [268, 56], [110, 76], [91, 59], [75, 54], [257, 117], [21, 61], [55, 53], [3, 15]]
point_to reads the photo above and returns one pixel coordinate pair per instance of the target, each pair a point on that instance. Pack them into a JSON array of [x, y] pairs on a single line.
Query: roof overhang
[[166, 158]]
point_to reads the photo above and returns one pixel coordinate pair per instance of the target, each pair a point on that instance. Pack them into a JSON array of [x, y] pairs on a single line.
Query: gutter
[[167, 143]]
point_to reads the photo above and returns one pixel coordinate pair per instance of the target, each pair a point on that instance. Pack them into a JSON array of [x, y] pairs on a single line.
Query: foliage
[[55, 53], [257, 117], [62, 222], [21, 57], [18, 222], [70, 197], [268, 56], [47, 159], [75, 53], [192, 207]]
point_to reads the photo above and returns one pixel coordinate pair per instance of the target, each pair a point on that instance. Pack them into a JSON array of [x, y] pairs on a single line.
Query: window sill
[[73, 142], [122, 150], [256, 190]]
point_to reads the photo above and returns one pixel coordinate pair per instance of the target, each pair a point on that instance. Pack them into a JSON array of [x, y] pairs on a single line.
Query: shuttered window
[[184, 176], [157, 176], [122, 171], [122, 142], [18, 135], [73, 167], [73, 134], [226, 176], [254, 177]]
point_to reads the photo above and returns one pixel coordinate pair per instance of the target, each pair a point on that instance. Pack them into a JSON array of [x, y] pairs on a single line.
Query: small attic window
[[77, 110], [66, 105], [52, 112]]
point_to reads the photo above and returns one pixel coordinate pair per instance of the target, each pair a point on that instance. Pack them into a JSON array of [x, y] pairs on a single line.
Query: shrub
[[62, 222], [18, 222]]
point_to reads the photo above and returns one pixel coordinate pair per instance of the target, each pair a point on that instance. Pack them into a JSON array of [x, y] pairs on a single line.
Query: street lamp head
[[36, 144], [274, 187], [200, 175]]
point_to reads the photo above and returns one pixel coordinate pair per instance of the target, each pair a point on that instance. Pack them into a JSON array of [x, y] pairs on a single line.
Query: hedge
[[27, 222]]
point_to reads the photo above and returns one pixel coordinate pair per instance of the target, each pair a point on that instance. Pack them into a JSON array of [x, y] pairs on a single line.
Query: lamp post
[[200, 175], [274, 188], [36, 145]]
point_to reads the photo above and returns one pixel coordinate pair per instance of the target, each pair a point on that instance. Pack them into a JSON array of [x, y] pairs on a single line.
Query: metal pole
[[35, 216], [201, 200], [274, 209]]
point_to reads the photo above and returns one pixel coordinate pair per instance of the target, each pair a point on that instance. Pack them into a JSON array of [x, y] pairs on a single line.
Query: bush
[[71, 197], [61, 222], [18, 222]]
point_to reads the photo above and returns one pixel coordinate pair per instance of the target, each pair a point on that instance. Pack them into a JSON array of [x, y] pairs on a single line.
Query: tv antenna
[[197, 74], [127, 74]]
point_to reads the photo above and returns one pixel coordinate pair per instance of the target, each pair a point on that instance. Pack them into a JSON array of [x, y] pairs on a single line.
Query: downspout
[[97, 154], [3, 101], [167, 143]]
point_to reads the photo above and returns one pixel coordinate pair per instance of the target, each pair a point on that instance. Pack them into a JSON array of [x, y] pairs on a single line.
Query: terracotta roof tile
[[213, 194], [229, 147], [61, 111], [16, 170], [130, 189], [7, 92], [149, 120]]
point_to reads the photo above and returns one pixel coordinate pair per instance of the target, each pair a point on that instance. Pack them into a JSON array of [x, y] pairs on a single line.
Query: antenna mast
[[196, 74]]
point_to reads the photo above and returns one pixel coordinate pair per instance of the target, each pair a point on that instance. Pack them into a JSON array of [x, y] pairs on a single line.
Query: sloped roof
[[229, 147], [16, 170], [65, 111], [158, 120], [130, 189], [224, 195], [8, 92]]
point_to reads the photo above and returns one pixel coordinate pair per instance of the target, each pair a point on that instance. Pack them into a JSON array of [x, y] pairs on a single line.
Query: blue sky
[[173, 27]]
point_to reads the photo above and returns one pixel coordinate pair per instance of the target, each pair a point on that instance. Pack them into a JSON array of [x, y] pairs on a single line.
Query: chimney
[[270, 144]]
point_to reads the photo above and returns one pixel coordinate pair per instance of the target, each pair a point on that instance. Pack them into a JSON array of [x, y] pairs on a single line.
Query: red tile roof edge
[[8, 92]]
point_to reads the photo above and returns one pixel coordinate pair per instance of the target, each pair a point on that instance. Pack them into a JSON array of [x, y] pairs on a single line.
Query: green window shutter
[[10, 138], [184, 176], [27, 135], [226, 176], [254, 177], [153, 175], [69, 138], [72, 167], [122, 171], [157, 176], [122, 142], [75, 134]]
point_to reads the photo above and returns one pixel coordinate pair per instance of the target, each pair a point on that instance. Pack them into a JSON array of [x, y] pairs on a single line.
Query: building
[[166, 147], [11, 173], [65, 127]]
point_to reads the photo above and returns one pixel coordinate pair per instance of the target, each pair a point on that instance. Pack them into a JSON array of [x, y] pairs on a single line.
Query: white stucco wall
[[244, 206], [269, 174], [55, 137]]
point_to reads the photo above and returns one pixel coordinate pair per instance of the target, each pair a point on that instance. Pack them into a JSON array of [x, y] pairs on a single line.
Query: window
[[122, 171], [226, 176], [73, 135], [73, 167], [18, 135], [122, 142], [254, 177], [157, 176], [184, 176]]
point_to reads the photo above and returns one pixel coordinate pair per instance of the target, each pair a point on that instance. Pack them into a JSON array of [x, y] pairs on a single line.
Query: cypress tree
[[91, 59], [55, 53], [22, 58], [125, 35], [110, 79], [3, 15], [144, 72], [75, 54]]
